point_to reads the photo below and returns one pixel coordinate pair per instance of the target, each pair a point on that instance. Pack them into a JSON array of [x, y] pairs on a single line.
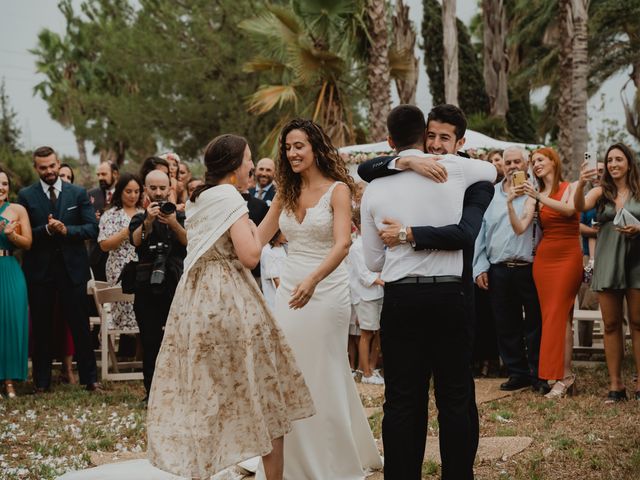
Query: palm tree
[[496, 66], [402, 60], [450, 43], [304, 49], [580, 73], [378, 71], [614, 45]]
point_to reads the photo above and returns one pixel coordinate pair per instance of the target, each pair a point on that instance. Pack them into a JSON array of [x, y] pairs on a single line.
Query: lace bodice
[[314, 235]]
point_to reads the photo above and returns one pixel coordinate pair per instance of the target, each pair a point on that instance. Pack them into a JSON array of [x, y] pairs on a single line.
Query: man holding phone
[[503, 265]]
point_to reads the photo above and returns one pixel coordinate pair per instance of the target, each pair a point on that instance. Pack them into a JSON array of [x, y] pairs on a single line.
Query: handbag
[[127, 277]]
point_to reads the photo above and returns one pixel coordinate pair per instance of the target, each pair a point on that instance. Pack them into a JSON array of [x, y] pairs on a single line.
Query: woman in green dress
[[15, 232], [616, 272]]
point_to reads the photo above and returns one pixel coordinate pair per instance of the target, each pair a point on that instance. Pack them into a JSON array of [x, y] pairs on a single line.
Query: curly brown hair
[[327, 158]]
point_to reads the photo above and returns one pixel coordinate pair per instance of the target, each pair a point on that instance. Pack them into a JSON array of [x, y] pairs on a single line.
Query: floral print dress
[[111, 222]]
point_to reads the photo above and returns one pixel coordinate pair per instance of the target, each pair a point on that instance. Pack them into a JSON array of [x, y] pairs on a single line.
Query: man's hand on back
[[426, 166], [389, 234]]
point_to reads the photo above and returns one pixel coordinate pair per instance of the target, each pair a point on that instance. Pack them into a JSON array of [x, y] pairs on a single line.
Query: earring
[[317, 162], [234, 179]]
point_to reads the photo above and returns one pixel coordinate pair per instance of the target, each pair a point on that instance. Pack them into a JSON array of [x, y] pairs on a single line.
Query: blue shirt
[[586, 218], [497, 242]]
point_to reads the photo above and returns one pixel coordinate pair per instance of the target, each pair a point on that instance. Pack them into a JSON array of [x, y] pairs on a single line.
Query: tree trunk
[[632, 109], [565, 84], [85, 168], [580, 16], [450, 45], [378, 74], [405, 42], [496, 66]]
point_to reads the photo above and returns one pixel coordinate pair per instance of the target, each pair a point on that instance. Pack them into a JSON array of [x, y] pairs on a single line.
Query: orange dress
[[557, 272]]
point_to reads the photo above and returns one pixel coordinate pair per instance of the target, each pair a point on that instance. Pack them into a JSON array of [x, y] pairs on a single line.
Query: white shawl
[[208, 218]]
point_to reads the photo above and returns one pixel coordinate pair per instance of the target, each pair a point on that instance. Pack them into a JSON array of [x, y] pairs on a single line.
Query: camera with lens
[[159, 268], [167, 208]]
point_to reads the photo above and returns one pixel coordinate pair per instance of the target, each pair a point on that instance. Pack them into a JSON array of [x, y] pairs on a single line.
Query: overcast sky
[[21, 20]]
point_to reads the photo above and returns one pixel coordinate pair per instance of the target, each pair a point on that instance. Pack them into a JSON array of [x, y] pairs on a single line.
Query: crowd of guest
[[542, 241]]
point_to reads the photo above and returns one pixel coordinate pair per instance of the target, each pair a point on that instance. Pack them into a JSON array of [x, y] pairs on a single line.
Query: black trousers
[[72, 300], [425, 331], [485, 346], [512, 289], [152, 310]]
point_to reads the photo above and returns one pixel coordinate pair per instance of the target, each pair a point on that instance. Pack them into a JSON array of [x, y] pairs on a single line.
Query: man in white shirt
[[423, 327]]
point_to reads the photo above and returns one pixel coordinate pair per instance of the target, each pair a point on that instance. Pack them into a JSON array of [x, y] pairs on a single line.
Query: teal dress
[[14, 313]]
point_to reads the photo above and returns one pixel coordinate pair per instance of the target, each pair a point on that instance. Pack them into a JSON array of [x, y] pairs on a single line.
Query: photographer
[[160, 240]]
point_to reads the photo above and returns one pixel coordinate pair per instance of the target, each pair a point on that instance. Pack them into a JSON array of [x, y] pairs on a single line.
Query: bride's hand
[[302, 293]]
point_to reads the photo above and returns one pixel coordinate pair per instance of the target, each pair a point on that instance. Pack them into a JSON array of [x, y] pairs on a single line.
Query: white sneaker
[[374, 379]]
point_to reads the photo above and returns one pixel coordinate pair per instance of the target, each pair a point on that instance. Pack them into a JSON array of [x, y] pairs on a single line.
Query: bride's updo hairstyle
[[327, 159], [222, 156]]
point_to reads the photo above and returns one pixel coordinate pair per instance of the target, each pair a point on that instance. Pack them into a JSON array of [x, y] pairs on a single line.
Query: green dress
[[617, 262], [14, 313]]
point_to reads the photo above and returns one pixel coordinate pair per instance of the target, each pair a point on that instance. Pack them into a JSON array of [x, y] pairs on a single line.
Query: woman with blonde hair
[[557, 265]]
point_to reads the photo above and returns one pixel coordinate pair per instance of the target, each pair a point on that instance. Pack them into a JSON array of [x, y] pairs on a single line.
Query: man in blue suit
[[57, 266]]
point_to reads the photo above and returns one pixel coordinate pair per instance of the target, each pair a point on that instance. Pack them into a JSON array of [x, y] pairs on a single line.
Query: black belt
[[6, 253], [515, 263], [427, 280]]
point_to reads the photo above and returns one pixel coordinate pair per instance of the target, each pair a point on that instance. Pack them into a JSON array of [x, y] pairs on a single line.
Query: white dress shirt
[[361, 279], [413, 199], [57, 187]]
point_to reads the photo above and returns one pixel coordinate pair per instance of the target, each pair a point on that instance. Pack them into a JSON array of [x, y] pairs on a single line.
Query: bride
[[313, 210]]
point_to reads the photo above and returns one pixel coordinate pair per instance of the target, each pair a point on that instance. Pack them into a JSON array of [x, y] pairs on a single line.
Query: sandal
[[616, 396], [11, 392], [562, 388]]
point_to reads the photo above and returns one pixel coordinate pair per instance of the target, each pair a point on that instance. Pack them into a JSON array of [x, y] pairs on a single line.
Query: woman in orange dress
[[557, 265]]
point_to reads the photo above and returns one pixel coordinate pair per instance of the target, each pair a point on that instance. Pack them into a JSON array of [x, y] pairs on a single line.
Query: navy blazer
[[74, 209], [268, 196]]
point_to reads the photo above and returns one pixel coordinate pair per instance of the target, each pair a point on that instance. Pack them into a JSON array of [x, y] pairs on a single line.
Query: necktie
[[52, 196], [260, 193], [109, 195]]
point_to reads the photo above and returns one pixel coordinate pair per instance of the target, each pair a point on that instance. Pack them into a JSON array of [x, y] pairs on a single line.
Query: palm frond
[[269, 96]]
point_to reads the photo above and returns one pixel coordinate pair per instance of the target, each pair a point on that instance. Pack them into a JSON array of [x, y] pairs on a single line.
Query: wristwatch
[[402, 235]]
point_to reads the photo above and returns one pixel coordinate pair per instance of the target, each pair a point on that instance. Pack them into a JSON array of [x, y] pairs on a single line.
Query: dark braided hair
[[222, 155]]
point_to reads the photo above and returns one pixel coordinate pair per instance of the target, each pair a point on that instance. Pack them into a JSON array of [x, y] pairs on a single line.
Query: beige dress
[[226, 382]]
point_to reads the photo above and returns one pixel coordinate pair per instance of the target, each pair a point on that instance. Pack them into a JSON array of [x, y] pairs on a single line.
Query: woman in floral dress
[[114, 238]]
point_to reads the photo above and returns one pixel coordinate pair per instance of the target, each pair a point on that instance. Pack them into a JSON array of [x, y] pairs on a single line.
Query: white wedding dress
[[336, 443]]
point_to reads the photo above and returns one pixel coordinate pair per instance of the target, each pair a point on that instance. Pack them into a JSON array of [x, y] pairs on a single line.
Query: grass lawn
[[576, 438]]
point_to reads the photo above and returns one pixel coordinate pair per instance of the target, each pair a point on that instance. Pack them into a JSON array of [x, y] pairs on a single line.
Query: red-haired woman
[[557, 266]]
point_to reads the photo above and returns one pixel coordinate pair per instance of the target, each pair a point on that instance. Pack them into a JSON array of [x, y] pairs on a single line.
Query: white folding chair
[[104, 296]]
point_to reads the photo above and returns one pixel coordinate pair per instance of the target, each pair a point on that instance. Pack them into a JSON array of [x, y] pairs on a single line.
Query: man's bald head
[[265, 171], [157, 185]]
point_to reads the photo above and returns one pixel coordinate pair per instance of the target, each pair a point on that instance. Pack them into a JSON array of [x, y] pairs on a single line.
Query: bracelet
[[143, 233]]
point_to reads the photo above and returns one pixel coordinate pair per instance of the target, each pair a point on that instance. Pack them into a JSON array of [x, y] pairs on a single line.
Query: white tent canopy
[[473, 140]]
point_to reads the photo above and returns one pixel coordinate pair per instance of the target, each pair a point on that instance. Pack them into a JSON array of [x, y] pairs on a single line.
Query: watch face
[[402, 235]]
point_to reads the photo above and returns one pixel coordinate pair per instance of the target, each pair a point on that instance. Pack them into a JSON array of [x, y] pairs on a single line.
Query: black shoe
[[515, 383], [616, 396], [94, 387], [41, 390], [540, 386]]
